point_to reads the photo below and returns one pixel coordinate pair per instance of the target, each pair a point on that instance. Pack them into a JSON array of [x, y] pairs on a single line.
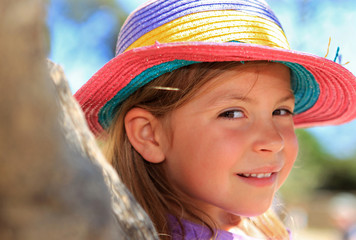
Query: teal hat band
[[107, 112], [305, 88]]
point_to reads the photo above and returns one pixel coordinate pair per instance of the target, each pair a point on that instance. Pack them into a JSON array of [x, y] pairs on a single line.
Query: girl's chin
[[253, 212]]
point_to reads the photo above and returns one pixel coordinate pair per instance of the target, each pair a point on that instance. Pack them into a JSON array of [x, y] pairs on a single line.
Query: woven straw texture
[[162, 36]]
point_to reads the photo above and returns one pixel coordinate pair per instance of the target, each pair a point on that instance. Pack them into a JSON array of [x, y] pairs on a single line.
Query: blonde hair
[[147, 181]]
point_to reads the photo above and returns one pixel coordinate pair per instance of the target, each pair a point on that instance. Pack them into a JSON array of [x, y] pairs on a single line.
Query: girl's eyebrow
[[290, 96], [243, 98], [228, 97]]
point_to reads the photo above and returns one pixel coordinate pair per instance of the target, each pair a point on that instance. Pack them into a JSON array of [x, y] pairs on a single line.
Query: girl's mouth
[[255, 175], [259, 179]]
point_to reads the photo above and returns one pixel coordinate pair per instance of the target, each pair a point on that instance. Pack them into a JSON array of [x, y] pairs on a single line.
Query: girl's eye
[[282, 112], [232, 114]]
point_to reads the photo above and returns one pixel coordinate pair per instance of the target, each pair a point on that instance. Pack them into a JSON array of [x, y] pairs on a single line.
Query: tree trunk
[[54, 181]]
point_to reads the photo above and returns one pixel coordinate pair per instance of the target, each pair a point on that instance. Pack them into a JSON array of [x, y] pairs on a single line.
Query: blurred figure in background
[[343, 212]]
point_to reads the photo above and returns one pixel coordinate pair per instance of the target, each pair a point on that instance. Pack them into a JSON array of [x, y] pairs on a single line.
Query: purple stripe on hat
[[161, 12]]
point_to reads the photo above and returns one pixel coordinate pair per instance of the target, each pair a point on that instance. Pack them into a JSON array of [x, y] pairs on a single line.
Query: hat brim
[[336, 103]]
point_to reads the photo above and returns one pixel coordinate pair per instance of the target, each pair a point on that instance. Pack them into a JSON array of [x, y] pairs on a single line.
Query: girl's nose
[[268, 138]]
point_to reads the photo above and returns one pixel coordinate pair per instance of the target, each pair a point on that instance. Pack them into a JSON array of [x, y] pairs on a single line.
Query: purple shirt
[[195, 231]]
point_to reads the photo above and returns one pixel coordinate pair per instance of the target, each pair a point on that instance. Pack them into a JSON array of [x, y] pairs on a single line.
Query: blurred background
[[318, 199]]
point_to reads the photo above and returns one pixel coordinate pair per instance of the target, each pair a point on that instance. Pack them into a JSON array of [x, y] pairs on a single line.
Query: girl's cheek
[[290, 154], [293, 146]]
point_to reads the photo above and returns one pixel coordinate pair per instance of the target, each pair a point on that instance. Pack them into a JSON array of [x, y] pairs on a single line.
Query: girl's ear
[[144, 132]]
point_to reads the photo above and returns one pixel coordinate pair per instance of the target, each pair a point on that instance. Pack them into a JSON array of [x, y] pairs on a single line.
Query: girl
[[198, 111]]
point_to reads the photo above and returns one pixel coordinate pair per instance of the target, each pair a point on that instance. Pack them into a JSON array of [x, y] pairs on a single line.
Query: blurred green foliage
[[315, 169], [81, 10]]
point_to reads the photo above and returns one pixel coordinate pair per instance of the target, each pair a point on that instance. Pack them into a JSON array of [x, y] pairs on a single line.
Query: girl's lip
[[259, 182], [266, 169]]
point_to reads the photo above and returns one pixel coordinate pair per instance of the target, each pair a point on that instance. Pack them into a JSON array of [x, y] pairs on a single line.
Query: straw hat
[[163, 35]]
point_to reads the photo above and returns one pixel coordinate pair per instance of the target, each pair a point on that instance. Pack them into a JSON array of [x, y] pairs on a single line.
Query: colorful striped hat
[[163, 35]]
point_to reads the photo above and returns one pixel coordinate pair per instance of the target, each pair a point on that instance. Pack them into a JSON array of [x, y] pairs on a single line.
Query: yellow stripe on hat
[[217, 26]]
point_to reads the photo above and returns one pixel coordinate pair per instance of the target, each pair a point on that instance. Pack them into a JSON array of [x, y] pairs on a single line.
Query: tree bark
[[54, 181]]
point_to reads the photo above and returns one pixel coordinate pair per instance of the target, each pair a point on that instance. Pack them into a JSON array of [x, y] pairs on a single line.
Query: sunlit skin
[[238, 123]]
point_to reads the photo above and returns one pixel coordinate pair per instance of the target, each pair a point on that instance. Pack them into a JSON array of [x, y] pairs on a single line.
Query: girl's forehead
[[240, 80]]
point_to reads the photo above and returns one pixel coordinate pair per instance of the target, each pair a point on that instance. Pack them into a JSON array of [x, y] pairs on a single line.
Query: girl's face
[[233, 145]]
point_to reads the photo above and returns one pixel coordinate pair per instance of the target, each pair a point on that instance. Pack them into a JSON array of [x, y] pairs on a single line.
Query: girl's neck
[[221, 219]]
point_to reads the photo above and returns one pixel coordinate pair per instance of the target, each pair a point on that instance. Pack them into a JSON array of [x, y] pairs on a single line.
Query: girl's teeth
[[255, 175], [264, 175]]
